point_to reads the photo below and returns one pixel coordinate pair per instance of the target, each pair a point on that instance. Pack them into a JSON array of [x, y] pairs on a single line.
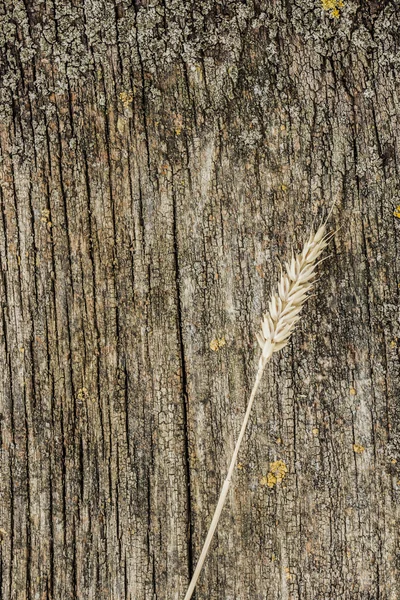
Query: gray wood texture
[[158, 159]]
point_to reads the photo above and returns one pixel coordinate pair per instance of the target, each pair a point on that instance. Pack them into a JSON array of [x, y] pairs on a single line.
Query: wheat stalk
[[276, 328]]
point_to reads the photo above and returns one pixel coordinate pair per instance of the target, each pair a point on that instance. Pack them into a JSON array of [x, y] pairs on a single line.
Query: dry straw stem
[[276, 328]]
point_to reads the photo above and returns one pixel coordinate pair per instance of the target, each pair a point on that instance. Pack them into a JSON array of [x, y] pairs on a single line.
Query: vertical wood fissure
[[185, 389]]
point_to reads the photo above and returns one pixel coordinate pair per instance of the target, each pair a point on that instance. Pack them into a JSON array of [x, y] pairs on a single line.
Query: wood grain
[[158, 158]]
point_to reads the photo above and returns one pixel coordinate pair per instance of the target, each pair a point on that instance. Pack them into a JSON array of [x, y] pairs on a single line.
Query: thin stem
[[226, 485]]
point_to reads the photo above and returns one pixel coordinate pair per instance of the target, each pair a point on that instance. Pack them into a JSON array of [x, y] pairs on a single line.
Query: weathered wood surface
[[157, 159]]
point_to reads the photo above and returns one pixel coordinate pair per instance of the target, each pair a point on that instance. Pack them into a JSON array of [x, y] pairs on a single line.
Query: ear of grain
[[276, 328], [293, 290]]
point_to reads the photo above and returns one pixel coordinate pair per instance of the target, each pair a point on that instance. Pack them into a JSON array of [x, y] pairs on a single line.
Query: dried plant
[[276, 328]]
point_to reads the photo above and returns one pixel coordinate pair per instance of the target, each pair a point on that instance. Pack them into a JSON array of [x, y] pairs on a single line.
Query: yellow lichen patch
[[82, 394], [315, 431], [271, 480], [279, 469], [283, 187], [277, 472], [333, 6], [126, 98], [358, 448], [217, 343], [393, 344], [239, 466], [45, 215], [353, 391], [396, 211]]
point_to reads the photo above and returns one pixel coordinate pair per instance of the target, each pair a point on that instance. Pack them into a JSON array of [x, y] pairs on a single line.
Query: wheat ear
[[276, 328]]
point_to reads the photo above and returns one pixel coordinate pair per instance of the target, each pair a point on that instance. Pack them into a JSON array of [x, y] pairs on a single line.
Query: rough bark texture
[[157, 158]]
